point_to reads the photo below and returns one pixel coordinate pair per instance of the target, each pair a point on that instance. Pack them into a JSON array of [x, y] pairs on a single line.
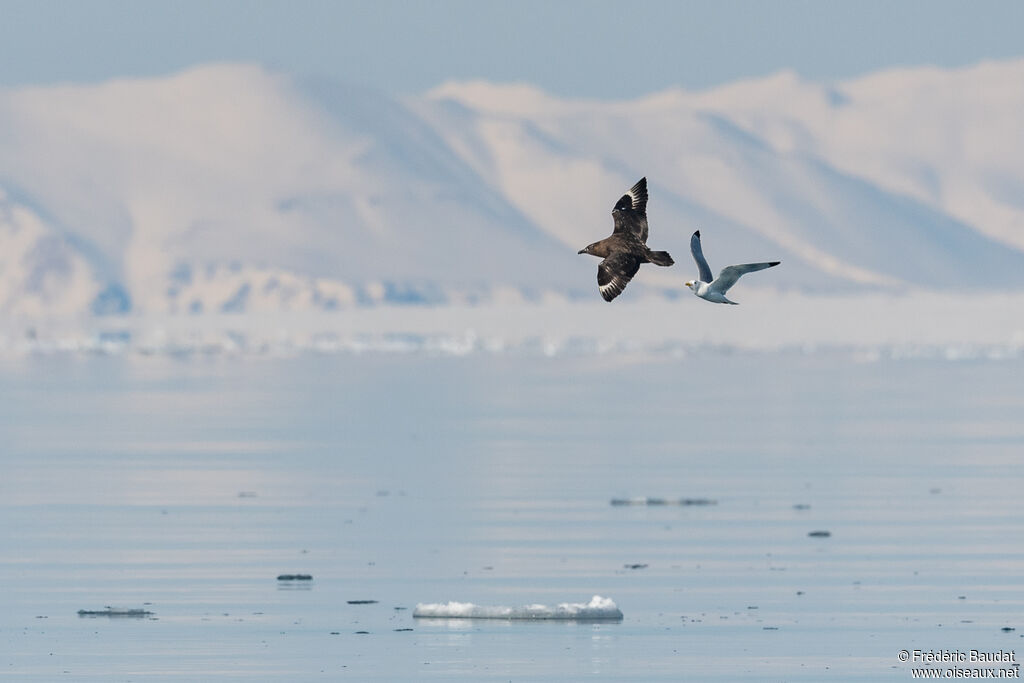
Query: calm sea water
[[186, 487]]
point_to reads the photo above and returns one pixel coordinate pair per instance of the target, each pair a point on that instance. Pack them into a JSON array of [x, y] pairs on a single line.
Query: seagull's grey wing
[[630, 212], [703, 270], [730, 274], [615, 272]]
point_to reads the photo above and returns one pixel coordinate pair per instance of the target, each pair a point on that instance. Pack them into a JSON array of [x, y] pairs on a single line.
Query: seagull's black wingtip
[[696, 233]]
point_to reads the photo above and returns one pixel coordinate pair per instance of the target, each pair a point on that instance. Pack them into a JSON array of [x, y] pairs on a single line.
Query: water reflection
[[416, 479]]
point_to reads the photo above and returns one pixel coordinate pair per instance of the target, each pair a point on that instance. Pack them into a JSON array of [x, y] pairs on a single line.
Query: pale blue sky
[[592, 48]]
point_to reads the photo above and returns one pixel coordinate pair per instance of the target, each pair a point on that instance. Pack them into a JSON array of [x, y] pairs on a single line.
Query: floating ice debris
[[663, 501], [114, 612], [295, 577], [362, 602], [819, 534], [634, 566], [639, 501], [598, 609]]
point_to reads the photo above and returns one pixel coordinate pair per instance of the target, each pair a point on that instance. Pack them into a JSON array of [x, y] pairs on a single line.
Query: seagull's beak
[[582, 251]]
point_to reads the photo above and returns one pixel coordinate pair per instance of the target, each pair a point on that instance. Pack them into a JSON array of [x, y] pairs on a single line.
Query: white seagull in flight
[[714, 290]]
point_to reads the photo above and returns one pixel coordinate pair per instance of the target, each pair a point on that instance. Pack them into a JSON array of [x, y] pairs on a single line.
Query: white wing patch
[[612, 287], [635, 198]]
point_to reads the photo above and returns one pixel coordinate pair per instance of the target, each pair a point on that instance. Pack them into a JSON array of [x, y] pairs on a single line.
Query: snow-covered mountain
[[235, 188]]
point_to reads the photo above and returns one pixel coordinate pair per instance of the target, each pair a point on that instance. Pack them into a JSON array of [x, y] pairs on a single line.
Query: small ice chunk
[[115, 612], [598, 609], [639, 501], [663, 501]]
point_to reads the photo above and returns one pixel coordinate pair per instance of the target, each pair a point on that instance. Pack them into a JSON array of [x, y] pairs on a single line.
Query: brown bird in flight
[[626, 248]]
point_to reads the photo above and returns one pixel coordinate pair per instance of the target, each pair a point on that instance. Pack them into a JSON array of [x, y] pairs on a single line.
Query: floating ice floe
[[663, 501], [115, 612], [598, 609]]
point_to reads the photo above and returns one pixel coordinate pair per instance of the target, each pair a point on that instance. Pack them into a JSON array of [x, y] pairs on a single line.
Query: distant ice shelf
[[598, 609], [869, 327]]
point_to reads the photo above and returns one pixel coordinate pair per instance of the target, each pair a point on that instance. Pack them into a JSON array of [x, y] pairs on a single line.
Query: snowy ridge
[[201, 191], [230, 188], [598, 609], [833, 179]]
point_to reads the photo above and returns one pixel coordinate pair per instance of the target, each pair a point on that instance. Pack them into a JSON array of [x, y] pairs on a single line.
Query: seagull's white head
[[692, 284]]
